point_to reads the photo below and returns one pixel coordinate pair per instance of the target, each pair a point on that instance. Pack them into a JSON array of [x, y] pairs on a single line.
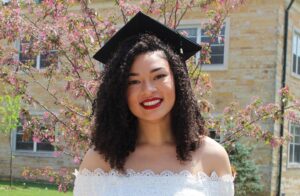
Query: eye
[[160, 76], [133, 82]]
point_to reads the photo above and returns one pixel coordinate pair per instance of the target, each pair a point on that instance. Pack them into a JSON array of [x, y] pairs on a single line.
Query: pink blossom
[[12, 79], [51, 179], [50, 139], [184, 33], [36, 139], [226, 110], [43, 35], [63, 171], [77, 160], [284, 91], [292, 116], [145, 3], [274, 143], [46, 116], [155, 11], [122, 2], [60, 188], [297, 103]]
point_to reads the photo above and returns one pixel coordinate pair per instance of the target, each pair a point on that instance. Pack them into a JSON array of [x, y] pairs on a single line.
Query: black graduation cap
[[140, 24]]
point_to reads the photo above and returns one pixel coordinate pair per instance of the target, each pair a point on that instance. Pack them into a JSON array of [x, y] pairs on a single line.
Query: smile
[[150, 104]]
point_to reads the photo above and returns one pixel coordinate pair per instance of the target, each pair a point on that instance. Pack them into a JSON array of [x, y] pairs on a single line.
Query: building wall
[[19, 162], [290, 174]]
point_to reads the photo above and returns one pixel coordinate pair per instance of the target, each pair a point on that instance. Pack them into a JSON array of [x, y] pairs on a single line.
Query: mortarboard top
[[140, 24]]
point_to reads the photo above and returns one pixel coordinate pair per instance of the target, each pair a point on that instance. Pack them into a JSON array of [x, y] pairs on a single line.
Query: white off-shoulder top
[[148, 183]]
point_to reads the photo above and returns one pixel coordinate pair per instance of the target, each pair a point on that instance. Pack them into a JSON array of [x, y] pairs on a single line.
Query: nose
[[148, 87]]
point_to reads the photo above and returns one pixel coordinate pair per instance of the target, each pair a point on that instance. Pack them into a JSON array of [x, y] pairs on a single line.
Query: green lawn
[[30, 189]]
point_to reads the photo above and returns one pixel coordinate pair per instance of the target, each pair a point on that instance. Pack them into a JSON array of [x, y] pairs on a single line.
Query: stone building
[[249, 63]]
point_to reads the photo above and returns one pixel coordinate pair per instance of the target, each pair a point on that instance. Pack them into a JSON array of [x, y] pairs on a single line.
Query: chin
[[153, 117]]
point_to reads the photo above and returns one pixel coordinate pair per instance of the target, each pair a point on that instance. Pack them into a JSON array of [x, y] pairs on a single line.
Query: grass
[[30, 189]]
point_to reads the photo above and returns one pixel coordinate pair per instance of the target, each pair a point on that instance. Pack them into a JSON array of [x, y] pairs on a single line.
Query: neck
[[155, 133]]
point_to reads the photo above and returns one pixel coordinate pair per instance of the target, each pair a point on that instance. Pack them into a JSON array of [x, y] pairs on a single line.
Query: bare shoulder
[[214, 157], [93, 160]]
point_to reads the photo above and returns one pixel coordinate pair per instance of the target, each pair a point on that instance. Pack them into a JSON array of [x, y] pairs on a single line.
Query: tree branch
[[53, 96], [122, 11]]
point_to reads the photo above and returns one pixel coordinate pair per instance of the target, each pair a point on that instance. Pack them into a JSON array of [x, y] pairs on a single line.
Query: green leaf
[[9, 112]]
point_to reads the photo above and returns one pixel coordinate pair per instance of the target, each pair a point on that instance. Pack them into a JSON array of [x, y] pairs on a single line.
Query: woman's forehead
[[150, 61]]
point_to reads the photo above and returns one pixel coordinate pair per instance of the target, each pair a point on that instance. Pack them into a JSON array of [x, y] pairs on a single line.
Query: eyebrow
[[153, 70]]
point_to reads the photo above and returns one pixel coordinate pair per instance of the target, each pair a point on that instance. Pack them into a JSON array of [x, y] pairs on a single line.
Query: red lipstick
[[152, 103]]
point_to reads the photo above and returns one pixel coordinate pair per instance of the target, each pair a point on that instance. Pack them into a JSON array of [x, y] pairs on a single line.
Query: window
[[25, 55], [30, 146], [294, 145], [213, 134], [5, 2], [218, 47], [39, 61], [46, 59], [296, 54]]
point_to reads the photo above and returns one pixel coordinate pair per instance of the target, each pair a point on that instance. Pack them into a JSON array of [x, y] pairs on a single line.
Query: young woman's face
[[151, 89]]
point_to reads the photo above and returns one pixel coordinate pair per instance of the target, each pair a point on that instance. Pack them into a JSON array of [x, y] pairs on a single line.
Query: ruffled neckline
[[150, 173]]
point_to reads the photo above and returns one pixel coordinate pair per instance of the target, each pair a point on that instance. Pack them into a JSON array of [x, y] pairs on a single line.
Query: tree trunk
[[10, 162]]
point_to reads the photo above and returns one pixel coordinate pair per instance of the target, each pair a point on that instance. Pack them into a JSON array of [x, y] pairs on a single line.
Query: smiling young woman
[[149, 136]]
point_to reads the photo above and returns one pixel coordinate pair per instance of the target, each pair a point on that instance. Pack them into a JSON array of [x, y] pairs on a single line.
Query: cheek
[[169, 89], [172, 84], [173, 91]]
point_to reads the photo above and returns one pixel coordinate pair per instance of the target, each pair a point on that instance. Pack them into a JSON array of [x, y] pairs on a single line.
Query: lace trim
[[148, 172]]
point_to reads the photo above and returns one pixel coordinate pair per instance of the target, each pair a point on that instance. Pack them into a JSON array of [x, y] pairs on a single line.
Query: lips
[[152, 103]]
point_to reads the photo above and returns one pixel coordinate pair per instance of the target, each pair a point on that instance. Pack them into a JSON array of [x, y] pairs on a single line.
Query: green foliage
[[9, 112], [30, 189], [247, 180]]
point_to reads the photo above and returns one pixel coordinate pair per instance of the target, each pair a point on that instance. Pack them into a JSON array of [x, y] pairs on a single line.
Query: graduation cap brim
[[141, 24]]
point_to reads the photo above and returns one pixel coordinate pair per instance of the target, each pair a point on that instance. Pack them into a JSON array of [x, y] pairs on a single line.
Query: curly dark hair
[[115, 128]]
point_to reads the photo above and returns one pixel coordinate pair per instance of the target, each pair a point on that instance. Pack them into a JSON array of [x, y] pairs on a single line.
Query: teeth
[[150, 103]]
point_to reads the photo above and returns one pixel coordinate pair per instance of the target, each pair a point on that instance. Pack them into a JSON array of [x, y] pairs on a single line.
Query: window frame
[[197, 24], [33, 153], [37, 58], [291, 164], [296, 33]]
